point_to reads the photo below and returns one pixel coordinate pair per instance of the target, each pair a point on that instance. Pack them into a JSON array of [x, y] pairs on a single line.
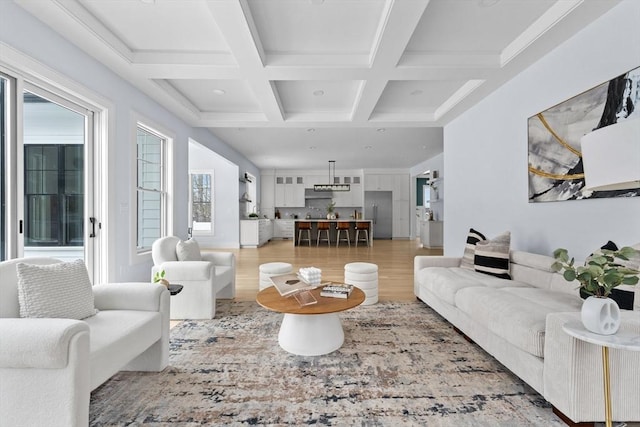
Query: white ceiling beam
[[489, 60], [397, 25], [548, 20], [236, 25]]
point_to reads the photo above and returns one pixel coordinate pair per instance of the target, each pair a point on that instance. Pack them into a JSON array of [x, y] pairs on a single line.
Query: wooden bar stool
[[343, 226], [304, 226], [323, 226], [362, 226]]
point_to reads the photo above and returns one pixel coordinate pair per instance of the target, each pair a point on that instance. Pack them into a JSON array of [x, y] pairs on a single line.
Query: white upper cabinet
[[289, 191], [379, 182]]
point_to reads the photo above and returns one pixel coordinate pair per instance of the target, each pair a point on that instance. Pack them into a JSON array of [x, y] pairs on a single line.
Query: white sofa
[[211, 277], [48, 367], [519, 322]]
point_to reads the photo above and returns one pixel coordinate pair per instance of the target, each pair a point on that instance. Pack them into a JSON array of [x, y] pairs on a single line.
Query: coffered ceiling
[[295, 83]]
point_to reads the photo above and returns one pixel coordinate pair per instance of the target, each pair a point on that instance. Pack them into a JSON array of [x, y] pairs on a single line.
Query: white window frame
[[139, 255], [21, 67], [194, 230]]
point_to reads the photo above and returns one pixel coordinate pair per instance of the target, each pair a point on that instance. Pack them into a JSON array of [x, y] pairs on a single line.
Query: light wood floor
[[393, 257]]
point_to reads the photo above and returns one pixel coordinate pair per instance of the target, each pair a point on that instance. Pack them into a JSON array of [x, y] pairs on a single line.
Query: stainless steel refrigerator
[[378, 207]]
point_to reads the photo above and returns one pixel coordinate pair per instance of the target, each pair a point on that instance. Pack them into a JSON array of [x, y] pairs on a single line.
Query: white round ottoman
[[272, 269], [363, 275]]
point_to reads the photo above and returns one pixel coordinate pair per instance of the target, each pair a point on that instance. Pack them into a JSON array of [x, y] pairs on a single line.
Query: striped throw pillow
[[473, 237], [492, 256]]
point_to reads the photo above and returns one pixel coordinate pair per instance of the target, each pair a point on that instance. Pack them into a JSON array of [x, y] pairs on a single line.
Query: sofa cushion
[[188, 250], [516, 314], [117, 337], [473, 237], [445, 282], [61, 290], [492, 256]]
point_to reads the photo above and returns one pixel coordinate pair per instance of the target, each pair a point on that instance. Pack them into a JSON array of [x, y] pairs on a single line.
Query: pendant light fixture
[[331, 186]]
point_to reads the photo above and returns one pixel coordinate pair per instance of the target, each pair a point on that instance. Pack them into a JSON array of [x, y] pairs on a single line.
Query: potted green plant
[[330, 210], [600, 274], [159, 278]]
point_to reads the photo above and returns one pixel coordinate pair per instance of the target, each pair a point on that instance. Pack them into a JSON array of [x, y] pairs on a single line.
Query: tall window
[[3, 171], [151, 187], [201, 203]]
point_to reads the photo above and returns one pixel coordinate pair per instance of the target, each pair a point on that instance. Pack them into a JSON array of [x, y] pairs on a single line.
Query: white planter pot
[[600, 315]]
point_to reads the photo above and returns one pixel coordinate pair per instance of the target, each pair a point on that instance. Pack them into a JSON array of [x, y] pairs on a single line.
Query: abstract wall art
[[555, 158]]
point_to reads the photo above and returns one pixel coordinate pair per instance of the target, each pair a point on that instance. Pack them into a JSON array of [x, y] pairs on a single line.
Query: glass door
[[4, 102], [56, 171]]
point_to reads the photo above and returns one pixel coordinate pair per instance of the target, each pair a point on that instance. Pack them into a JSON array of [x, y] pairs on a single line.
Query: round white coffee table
[[310, 330], [620, 340]]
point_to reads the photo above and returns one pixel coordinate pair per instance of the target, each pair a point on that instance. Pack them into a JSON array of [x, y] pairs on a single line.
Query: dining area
[[333, 232]]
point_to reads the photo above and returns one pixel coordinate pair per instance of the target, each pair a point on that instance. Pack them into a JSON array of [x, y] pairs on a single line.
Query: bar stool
[[362, 226], [343, 226], [304, 226], [323, 226]]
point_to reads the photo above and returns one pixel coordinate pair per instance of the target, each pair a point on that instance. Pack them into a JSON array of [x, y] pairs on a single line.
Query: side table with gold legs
[[620, 340]]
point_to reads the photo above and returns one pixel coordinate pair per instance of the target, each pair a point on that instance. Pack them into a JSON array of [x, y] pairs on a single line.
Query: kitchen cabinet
[[378, 182], [431, 234], [354, 197], [255, 232], [357, 196], [401, 187], [289, 191], [283, 229], [400, 220]]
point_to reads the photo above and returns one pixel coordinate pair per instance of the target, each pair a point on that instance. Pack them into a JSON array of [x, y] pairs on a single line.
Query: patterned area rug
[[401, 364]]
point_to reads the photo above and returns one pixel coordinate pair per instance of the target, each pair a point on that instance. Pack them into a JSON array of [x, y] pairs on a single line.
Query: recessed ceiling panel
[[161, 25], [469, 26], [228, 96], [418, 96], [317, 27], [308, 96], [352, 148]]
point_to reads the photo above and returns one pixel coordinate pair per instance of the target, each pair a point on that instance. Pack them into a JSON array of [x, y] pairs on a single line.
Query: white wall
[[485, 152], [226, 226], [28, 35]]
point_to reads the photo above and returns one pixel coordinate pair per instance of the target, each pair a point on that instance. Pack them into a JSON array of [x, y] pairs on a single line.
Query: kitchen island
[[333, 232]]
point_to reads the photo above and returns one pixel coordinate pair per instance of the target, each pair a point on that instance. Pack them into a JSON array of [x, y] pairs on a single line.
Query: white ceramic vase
[[600, 315]]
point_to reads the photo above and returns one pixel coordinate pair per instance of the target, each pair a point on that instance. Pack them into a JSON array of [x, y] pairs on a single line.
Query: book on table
[[337, 291], [289, 284]]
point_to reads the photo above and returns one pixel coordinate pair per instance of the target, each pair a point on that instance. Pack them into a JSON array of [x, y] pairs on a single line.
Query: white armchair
[[49, 366], [214, 276]]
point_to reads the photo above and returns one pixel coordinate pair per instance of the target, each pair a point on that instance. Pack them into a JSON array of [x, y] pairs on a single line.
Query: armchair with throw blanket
[[205, 276]]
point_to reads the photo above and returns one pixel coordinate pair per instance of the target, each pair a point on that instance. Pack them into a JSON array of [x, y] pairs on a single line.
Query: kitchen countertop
[[330, 220]]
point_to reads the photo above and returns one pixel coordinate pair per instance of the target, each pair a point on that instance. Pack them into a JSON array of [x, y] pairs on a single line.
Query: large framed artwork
[[556, 164]]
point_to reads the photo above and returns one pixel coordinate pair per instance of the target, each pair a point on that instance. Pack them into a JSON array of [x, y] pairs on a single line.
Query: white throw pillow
[[188, 251], [60, 290]]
